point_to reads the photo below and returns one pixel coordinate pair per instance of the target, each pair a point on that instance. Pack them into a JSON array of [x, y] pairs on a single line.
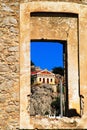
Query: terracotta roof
[[42, 72], [35, 72], [45, 72]]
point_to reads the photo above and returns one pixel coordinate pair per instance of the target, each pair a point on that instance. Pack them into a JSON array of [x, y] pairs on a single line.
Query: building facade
[[43, 77]]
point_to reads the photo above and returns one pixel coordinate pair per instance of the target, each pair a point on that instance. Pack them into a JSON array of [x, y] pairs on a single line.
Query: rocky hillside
[[41, 99]]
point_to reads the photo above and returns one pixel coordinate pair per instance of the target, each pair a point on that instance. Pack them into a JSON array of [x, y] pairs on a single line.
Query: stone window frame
[[25, 10]]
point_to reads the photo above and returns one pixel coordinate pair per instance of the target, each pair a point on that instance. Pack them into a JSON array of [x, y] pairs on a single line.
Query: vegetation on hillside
[[58, 70]]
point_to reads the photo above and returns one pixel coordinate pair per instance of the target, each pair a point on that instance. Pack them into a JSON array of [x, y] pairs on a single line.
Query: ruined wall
[[76, 1], [21, 1], [9, 65], [76, 51], [10, 58]]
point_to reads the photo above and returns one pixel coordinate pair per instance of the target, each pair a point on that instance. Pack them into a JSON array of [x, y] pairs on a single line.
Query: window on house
[[47, 80], [51, 80], [39, 79], [43, 80]]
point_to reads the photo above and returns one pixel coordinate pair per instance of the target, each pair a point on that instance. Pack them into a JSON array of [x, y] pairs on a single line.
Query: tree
[[32, 63], [32, 80], [58, 70], [56, 105], [32, 66]]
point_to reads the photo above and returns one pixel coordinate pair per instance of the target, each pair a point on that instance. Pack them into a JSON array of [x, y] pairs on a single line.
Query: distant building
[[43, 76]]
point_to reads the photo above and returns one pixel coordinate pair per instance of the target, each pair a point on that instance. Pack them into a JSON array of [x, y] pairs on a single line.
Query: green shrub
[[46, 113], [56, 105]]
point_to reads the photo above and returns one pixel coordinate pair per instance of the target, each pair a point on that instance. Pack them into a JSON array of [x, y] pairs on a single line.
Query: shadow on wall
[[72, 113]]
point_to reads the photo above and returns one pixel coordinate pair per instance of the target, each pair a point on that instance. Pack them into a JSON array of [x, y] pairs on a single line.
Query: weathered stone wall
[[22, 1], [10, 58], [9, 65], [76, 1]]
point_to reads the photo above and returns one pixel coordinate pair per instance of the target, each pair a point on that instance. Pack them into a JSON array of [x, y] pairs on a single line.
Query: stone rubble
[[43, 122]]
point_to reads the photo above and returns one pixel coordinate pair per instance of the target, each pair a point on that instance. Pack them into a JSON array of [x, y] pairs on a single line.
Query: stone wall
[[9, 62], [76, 1], [9, 65], [22, 1]]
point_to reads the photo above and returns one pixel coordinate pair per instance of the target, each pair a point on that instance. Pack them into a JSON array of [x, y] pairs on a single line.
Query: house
[[43, 76]]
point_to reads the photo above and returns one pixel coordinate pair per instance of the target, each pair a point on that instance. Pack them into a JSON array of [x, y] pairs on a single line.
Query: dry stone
[[9, 20], [6, 8], [14, 48], [2, 99], [9, 64], [4, 68], [53, 123], [82, 123]]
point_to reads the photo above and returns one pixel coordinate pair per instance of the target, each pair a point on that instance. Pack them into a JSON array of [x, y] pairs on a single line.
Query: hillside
[[41, 99]]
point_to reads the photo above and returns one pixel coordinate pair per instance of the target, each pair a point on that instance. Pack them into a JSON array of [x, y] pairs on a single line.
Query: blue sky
[[47, 55]]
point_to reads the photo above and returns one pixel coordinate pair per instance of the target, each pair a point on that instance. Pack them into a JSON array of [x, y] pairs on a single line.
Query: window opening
[[48, 63], [47, 80], [51, 80], [43, 80], [39, 79]]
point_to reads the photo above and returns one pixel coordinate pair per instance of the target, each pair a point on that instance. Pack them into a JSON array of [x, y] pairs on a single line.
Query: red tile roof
[[41, 72], [35, 72], [45, 72]]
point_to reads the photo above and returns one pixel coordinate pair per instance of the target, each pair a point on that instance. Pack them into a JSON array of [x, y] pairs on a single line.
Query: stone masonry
[[17, 28], [9, 65]]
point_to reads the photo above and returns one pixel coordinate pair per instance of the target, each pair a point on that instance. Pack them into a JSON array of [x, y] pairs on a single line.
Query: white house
[[43, 76]]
